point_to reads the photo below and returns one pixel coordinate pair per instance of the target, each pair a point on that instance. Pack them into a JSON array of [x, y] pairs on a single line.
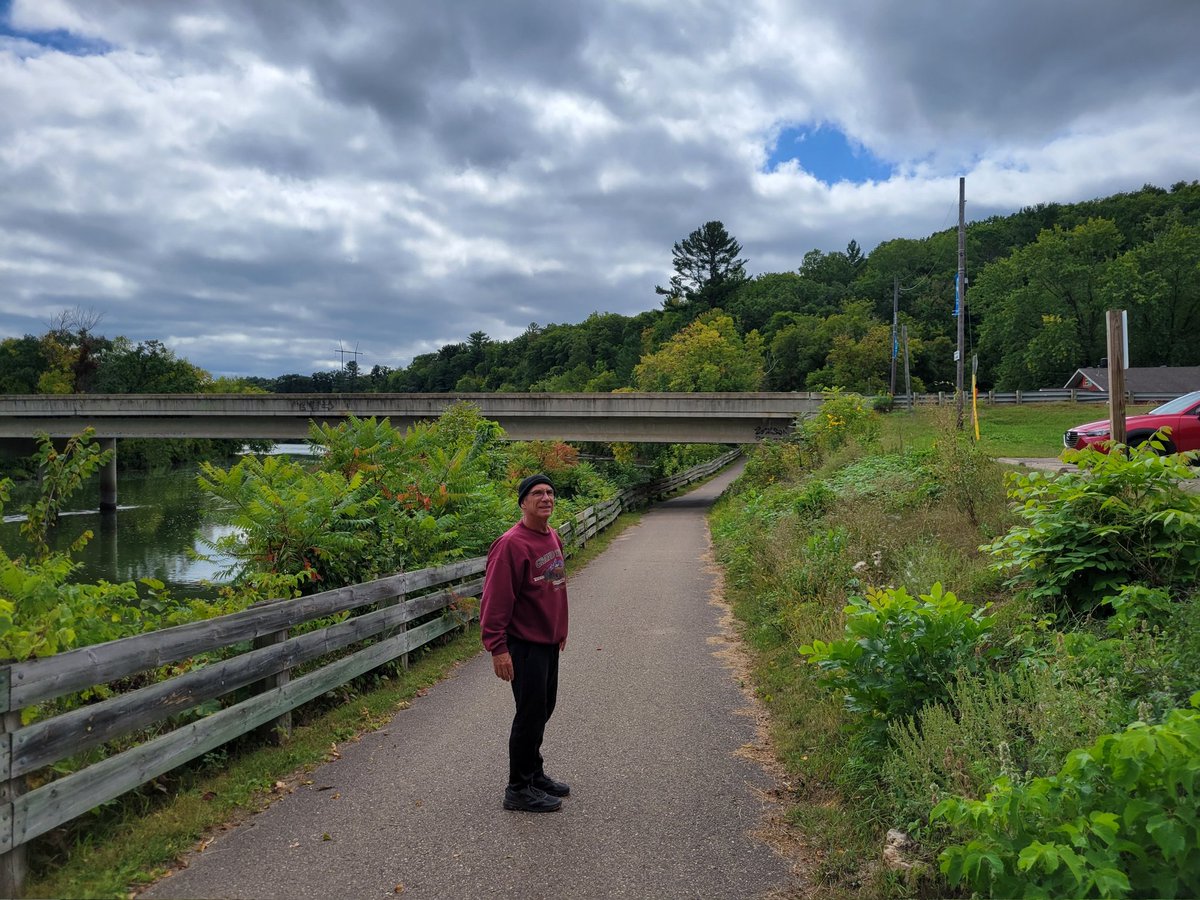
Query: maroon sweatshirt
[[524, 589]]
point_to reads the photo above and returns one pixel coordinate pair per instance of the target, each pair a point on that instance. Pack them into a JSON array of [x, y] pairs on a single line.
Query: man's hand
[[562, 645], [502, 663]]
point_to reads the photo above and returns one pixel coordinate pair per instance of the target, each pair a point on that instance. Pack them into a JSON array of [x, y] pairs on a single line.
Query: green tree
[[228, 385], [756, 302], [797, 348], [22, 362], [1062, 274], [859, 364], [1159, 283], [706, 267], [1051, 355], [707, 355], [150, 367]]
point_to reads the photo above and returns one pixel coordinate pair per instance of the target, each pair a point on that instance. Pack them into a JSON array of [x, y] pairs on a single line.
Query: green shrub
[[841, 418], [900, 652], [1119, 820], [774, 462], [813, 499], [968, 476], [291, 520], [1019, 724], [1135, 605], [1147, 667], [1120, 520], [821, 566], [376, 502], [900, 481], [1182, 637]]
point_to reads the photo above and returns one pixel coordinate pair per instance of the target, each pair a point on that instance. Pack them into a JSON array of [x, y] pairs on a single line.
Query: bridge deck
[[648, 417]]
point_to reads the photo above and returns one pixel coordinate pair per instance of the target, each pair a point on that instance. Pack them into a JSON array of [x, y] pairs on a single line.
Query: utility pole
[[907, 377], [960, 295], [895, 335]]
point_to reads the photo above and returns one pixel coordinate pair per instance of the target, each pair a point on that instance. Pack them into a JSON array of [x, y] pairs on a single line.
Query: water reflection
[[162, 522]]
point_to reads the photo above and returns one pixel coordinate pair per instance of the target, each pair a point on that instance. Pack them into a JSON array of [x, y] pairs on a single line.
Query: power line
[[343, 353]]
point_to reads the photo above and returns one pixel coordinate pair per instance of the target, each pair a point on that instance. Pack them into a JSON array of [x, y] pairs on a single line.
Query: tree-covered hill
[[1039, 281]]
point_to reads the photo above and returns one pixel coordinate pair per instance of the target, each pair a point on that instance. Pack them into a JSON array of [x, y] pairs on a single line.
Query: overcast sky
[[254, 182]]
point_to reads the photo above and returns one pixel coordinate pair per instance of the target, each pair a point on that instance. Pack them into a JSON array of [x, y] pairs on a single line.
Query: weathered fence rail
[[1039, 396], [1000, 398], [399, 614]]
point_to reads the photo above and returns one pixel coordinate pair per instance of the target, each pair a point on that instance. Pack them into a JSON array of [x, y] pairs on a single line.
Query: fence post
[[279, 729], [12, 860], [402, 627], [1074, 398], [1018, 398]]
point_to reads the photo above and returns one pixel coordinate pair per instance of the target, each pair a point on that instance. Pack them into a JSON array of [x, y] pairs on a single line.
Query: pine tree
[[706, 267]]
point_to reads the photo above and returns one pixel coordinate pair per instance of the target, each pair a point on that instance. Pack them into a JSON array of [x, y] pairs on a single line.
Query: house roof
[[1149, 380]]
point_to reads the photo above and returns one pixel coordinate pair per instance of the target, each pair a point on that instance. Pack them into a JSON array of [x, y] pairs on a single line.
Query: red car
[[1181, 415]]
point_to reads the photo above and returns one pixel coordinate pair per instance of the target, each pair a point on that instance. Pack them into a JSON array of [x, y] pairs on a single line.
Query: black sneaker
[[554, 788], [530, 799]]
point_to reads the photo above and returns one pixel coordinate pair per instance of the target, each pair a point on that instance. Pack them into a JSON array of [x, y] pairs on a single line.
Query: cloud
[[254, 187]]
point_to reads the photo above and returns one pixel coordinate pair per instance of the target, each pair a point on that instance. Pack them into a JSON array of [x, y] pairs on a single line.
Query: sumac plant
[[900, 652], [1123, 518], [377, 501]]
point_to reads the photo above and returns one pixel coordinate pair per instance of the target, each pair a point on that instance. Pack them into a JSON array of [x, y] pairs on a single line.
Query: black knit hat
[[527, 484]]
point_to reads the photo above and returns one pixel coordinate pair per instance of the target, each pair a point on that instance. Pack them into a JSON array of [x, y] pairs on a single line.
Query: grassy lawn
[[1028, 430]]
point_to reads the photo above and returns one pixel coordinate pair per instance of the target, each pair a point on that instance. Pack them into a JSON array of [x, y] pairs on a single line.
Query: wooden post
[[1116, 376], [907, 377], [279, 729], [961, 304], [392, 632], [895, 332], [12, 862]]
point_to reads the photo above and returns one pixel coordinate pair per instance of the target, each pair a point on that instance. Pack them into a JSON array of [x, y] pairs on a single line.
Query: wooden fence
[[397, 614]]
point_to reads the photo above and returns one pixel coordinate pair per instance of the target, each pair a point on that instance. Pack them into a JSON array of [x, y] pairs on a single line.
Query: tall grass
[[800, 536]]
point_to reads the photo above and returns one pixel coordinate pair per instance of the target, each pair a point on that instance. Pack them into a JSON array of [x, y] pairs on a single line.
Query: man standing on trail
[[523, 617]]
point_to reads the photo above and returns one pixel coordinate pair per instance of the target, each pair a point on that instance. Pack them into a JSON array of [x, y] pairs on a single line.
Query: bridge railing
[[1003, 398], [256, 652]]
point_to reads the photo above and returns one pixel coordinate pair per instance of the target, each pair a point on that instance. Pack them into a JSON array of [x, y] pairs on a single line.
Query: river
[[161, 529]]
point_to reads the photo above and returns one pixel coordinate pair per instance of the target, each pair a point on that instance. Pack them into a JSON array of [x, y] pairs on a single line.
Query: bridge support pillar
[[108, 477]]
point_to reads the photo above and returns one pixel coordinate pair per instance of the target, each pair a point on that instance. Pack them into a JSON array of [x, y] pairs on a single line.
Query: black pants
[[535, 688]]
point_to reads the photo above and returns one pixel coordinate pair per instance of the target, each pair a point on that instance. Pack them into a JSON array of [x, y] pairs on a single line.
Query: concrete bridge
[[726, 418], [729, 418]]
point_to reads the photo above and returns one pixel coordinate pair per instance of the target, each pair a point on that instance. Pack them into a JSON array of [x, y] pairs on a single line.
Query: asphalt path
[[648, 729]]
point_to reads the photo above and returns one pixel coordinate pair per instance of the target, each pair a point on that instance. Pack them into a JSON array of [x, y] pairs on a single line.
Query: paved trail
[[646, 732]]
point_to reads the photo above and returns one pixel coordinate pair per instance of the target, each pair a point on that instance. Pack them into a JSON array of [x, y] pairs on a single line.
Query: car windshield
[[1178, 405]]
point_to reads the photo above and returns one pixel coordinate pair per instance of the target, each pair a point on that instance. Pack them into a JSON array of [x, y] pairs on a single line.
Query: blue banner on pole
[[956, 295]]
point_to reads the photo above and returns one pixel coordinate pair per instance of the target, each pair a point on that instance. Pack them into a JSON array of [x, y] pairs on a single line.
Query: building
[[1171, 380]]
